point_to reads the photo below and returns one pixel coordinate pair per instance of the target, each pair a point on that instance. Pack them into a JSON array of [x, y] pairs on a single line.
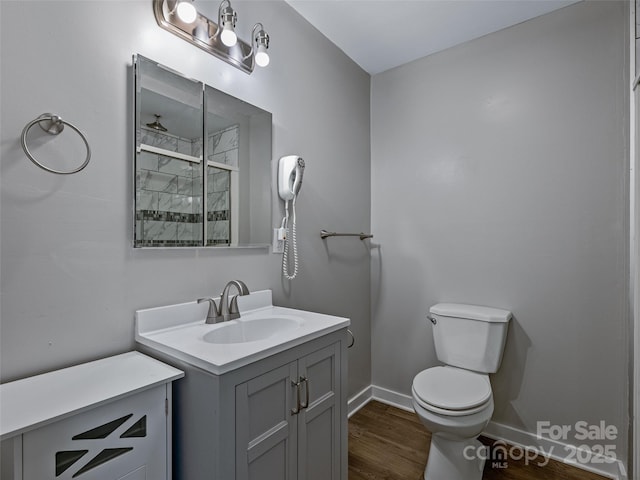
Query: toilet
[[455, 401]]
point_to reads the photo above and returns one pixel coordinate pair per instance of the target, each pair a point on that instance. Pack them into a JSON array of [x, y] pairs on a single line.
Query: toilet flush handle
[[433, 320]]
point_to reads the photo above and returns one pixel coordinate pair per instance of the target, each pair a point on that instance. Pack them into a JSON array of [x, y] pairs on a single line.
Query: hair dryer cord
[[290, 239]]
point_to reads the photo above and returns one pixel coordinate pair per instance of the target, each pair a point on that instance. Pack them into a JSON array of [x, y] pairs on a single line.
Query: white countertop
[[178, 331], [36, 401]]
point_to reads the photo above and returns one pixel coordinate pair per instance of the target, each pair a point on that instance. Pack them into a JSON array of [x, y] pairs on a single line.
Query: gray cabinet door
[[319, 423], [266, 430], [278, 438]]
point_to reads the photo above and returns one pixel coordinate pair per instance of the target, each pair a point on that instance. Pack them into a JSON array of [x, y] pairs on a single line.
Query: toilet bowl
[[455, 405], [455, 402]]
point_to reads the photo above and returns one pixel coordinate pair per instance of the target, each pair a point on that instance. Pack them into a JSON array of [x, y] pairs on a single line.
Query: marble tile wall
[[169, 190], [168, 193], [222, 148], [218, 206], [170, 142]]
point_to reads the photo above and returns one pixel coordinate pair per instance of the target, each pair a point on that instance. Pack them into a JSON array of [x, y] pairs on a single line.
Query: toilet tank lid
[[473, 312]]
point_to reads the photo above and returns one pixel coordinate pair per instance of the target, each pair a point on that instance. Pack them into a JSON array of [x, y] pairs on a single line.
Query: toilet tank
[[470, 336]]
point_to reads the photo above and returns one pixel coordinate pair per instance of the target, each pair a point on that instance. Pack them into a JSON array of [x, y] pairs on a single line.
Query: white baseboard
[[358, 401], [559, 451], [380, 394], [392, 398]]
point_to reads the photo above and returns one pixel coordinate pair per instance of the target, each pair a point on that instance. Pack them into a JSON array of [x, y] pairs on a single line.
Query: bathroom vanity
[[263, 396]]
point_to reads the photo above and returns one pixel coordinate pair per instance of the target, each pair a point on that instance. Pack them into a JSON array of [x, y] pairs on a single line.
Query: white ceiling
[[379, 35]]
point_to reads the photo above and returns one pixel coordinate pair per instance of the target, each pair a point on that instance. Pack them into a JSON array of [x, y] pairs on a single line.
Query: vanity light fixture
[[219, 39], [260, 40], [227, 17], [186, 11]]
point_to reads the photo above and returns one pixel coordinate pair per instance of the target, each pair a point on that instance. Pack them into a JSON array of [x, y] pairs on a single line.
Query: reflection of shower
[[157, 125]]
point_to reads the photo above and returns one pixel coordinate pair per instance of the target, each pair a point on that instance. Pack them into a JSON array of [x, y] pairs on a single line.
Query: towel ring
[[54, 125]]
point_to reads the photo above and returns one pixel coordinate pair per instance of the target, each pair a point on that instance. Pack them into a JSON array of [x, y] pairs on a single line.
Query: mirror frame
[[256, 198]]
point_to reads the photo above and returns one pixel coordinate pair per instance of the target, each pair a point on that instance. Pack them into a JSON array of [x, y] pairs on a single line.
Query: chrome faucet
[[225, 310], [229, 309], [213, 315]]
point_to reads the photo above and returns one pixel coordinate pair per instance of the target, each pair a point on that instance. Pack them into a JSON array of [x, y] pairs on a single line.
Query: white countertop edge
[[241, 362], [151, 322], [33, 402]]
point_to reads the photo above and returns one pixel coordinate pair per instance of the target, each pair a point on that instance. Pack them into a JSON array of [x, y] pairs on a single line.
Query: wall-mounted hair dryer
[[290, 172]]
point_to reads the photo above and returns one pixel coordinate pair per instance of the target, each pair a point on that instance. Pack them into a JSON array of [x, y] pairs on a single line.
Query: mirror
[[202, 160]]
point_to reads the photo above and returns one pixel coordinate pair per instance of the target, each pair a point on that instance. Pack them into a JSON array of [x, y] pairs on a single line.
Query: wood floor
[[386, 443]]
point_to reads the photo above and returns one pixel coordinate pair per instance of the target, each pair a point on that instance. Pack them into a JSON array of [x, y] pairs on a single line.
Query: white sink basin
[[243, 331], [179, 331]]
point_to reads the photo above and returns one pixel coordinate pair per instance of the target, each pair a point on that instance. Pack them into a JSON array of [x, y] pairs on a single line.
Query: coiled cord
[[285, 254]]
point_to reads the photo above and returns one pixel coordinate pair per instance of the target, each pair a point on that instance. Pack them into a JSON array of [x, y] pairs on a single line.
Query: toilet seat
[[451, 391]]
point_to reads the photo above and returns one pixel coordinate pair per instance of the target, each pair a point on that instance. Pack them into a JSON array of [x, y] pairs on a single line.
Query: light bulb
[[228, 36], [186, 11], [262, 57]]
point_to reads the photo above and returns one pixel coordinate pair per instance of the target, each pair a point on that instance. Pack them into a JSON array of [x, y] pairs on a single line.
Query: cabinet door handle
[[295, 411], [305, 380]]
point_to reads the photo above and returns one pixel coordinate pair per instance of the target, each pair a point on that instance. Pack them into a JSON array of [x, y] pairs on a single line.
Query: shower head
[[157, 125]]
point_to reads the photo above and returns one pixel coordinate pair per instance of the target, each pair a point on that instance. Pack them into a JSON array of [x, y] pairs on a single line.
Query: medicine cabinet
[[202, 164]]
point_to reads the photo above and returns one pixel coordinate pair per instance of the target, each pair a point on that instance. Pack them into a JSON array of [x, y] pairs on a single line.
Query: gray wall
[[499, 177], [71, 280]]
